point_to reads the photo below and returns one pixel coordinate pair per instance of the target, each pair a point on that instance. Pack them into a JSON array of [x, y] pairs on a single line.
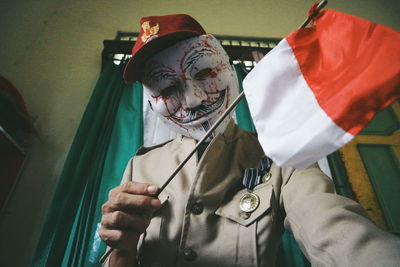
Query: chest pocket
[[231, 209], [239, 246]]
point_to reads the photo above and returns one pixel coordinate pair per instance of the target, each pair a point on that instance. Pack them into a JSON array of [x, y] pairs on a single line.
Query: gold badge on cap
[[249, 202], [148, 31]]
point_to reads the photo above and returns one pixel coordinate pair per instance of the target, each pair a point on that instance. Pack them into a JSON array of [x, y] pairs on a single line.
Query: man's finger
[[125, 201], [121, 220], [119, 239], [139, 188]]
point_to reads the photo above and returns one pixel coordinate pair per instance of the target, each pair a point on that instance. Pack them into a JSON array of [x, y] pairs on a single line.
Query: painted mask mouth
[[201, 110]]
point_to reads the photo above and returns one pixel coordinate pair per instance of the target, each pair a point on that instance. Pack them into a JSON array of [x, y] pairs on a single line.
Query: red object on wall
[[11, 161]]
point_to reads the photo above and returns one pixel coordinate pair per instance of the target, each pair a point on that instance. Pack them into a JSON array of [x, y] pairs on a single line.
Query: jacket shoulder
[[143, 149]]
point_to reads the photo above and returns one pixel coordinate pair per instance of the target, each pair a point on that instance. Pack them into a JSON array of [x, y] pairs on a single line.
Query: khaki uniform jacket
[[200, 222]]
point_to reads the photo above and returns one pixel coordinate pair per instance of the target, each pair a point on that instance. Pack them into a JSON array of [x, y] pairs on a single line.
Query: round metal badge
[[249, 202], [266, 177]]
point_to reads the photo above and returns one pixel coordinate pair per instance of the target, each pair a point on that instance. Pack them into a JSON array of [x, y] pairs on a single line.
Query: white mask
[[190, 84]]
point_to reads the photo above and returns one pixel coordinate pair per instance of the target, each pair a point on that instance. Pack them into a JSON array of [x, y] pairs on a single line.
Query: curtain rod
[[240, 52]]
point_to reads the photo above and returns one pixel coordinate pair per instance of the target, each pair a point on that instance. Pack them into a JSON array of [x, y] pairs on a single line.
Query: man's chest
[[201, 223]]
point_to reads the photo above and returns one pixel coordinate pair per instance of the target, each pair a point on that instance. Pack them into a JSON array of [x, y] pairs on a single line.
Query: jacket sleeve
[[333, 230], [126, 177]]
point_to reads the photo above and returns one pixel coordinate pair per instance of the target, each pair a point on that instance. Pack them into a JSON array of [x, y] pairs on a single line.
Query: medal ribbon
[[252, 176]]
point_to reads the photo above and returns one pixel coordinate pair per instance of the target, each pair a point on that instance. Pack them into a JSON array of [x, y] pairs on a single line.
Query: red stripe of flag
[[351, 65]]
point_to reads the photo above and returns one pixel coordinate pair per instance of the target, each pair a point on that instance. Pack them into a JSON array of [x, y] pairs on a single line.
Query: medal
[[252, 177], [249, 202]]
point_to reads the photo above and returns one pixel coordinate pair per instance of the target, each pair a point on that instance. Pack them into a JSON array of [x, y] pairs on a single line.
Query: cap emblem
[[148, 31]]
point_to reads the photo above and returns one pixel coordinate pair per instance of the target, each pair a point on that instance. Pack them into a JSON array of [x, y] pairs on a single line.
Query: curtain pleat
[[69, 234], [126, 138], [242, 111]]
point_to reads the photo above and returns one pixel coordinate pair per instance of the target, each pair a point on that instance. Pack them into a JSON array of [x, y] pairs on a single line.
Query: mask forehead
[[181, 57]]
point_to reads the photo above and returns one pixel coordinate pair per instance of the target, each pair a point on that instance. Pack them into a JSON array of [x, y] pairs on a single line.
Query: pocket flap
[[230, 209]]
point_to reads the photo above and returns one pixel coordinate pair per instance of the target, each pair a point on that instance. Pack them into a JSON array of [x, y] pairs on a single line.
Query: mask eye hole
[[170, 90], [202, 74]]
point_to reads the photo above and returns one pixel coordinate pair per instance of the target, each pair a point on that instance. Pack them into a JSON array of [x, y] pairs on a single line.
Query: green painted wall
[[50, 50]]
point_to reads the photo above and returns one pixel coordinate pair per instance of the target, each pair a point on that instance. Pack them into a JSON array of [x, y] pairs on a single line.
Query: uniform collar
[[230, 134]]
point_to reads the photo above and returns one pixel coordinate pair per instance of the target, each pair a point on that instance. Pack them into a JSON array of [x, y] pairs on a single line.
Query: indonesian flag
[[320, 86]]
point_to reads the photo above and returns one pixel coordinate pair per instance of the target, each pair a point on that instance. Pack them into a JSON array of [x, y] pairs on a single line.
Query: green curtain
[[289, 254], [109, 133], [242, 111]]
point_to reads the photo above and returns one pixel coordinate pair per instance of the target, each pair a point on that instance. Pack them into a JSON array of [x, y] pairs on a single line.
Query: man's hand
[[127, 214]]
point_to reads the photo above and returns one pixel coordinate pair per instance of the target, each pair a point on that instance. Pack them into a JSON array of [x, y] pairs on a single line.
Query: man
[[214, 213]]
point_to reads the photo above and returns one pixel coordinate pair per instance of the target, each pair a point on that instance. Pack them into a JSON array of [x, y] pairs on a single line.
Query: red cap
[[156, 34]]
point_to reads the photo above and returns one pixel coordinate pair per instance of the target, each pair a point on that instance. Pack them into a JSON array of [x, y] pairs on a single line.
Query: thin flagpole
[[320, 6]]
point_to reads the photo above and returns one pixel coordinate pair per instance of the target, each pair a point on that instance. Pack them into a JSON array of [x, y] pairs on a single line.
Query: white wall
[[50, 50]]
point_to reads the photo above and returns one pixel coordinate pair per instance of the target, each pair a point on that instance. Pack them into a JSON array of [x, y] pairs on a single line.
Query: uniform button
[[189, 254], [197, 208], [266, 177], [244, 215]]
